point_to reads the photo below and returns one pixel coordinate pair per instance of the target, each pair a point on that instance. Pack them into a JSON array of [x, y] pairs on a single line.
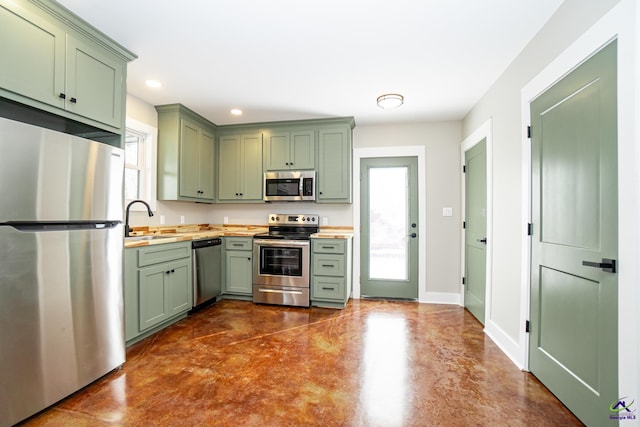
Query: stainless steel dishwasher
[[207, 276]]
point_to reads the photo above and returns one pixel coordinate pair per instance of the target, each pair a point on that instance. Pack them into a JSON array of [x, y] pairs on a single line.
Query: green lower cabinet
[[158, 288], [331, 261], [238, 267], [163, 293]]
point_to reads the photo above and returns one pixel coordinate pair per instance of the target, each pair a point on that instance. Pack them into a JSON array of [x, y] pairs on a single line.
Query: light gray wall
[[441, 189], [503, 103]]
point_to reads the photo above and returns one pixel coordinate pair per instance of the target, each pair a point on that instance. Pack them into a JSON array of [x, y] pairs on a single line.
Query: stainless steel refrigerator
[[61, 250]]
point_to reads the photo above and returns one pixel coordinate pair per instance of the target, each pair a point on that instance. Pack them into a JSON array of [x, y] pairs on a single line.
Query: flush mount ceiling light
[[236, 112], [153, 83], [390, 100]]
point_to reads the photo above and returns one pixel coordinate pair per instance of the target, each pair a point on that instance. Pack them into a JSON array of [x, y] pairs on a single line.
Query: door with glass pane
[[389, 227]]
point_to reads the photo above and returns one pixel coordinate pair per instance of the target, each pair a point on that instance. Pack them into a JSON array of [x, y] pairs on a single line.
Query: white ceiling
[[298, 59]]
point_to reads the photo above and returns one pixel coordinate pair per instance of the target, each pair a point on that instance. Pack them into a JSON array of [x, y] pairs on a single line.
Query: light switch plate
[[447, 211]]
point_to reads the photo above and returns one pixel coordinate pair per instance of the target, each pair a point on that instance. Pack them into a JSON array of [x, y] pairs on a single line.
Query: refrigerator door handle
[[36, 226]]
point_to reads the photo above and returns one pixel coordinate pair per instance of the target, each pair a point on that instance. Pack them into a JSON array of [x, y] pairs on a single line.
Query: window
[[140, 159]]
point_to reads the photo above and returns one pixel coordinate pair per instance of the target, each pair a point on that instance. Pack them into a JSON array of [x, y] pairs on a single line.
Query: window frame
[[147, 163]]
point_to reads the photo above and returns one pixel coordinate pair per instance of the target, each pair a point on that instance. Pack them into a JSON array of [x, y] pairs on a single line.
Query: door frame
[[485, 131], [617, 23], [404, 151]]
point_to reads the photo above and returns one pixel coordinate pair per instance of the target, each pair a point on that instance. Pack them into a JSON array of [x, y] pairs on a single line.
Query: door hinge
[[529, 132], [529, 229], [527, 326], [464, 168], [464, 224], [463, 281]]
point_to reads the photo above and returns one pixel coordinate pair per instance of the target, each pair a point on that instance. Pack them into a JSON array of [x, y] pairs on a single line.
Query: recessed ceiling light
[[390, 100], [153, 83], [236, 112]]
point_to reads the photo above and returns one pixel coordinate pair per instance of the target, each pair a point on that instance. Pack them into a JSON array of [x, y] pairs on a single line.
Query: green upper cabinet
[[240, 168], [53, 61], [293, 150], [334, 165], [186, 155]]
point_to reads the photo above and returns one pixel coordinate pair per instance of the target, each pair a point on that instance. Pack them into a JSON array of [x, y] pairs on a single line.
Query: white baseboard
[[505, 343], [441, 298]]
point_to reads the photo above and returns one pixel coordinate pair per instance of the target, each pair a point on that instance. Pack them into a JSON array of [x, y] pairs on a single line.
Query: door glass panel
[[388, 210]]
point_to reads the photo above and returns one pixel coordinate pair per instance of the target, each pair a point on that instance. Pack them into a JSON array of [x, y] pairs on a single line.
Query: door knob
[[413, 235], [607, 265], [483, 240]]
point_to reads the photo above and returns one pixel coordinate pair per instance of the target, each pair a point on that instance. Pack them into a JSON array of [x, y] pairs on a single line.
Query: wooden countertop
[[163, 235]]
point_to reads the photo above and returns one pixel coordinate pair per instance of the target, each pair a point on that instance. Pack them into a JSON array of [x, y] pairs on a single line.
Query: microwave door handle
[[301, 186]]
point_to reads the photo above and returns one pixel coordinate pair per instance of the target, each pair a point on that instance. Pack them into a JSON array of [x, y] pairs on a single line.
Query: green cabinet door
[[334, 166], [206, 164], [196, 161], [252, 167], [189, 159], [178, 287], [240, 168], [293, 150], [153, 304], [95, 84], [302, 151], [186, 155], [228, 167], [276, 151], [165, 291], [32, 57], [238, 272]]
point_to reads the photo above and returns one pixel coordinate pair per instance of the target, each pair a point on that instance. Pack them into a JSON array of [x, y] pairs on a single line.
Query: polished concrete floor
[[375, 363]]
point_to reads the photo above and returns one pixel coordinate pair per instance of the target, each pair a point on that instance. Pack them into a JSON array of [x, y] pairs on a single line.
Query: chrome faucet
[[127, 229]]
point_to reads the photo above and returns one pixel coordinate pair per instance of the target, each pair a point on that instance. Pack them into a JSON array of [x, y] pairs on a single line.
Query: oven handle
[[281, 243], [279, 291]]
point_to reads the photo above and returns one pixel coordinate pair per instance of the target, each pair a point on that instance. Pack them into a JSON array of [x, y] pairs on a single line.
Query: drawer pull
[[328, 247], [328, 289], [328, 265]]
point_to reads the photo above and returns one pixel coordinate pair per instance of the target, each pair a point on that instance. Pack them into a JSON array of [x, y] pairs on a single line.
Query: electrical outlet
[[182, 220], [225, 220], [162, 220], [325, 220]]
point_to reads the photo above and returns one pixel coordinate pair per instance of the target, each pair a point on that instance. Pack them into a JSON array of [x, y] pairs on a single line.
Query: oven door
[[281, 262]]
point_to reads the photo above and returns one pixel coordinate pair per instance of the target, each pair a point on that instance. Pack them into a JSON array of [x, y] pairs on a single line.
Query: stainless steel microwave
[[289, 186]]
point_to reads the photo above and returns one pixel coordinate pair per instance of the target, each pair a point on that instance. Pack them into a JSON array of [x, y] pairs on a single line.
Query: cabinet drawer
[[328, 287], [161, 253], [328, 265], [328, 246], [239, 243]]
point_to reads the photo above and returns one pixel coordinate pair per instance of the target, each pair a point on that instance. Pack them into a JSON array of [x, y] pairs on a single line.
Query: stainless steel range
[[282, 260]]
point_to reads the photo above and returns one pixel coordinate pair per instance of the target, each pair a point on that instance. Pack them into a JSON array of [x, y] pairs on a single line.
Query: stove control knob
[[303, 218], [313, 219]]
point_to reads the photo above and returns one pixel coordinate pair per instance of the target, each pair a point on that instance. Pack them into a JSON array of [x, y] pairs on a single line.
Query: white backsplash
[[246, 214]]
